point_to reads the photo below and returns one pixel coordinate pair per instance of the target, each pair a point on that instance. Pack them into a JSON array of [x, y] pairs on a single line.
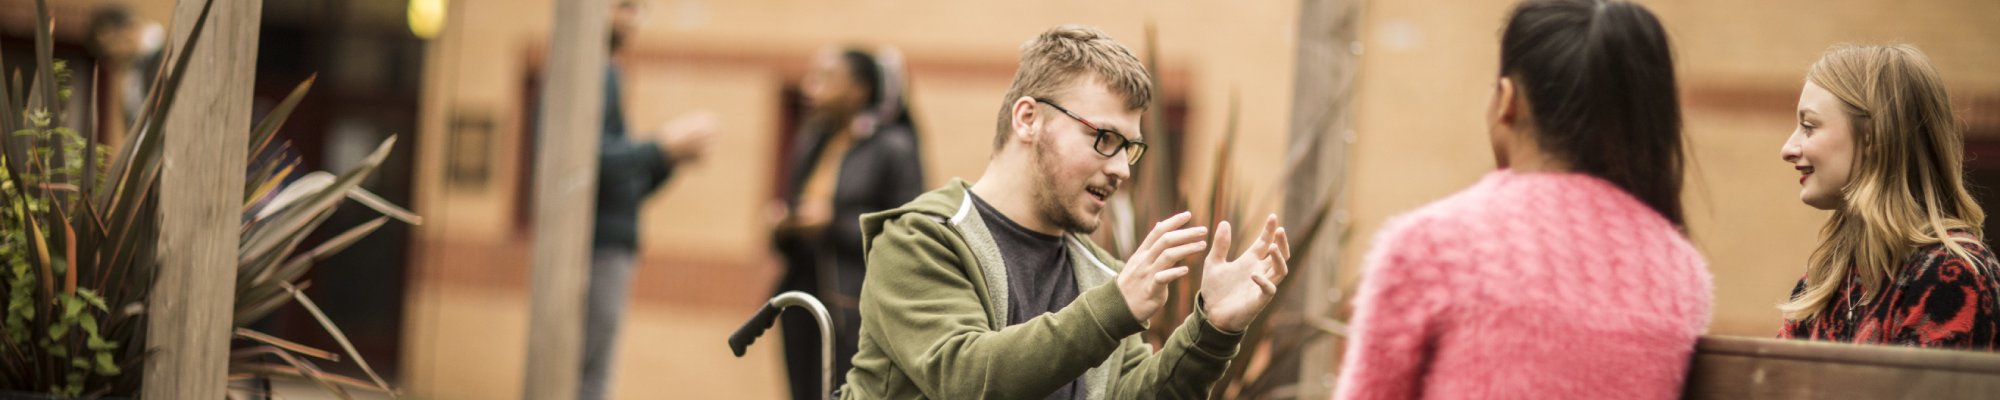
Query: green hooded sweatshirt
[[934, 320]]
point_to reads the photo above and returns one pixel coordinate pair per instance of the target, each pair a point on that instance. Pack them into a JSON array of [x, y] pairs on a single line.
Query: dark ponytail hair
[[867, 75], [1599, 79]]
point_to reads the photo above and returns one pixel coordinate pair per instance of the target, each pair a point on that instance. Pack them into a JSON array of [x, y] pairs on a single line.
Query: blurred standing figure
[[856, 153], [628, 171], [127, 48], [1567, 273], [1901, 260]]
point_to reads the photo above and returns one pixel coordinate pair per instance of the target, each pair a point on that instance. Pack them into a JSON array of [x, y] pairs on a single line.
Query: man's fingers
[[1257, 249], [1173, 255], [1284, 244], [1281, 266], [1180, 237], [1270, 229], [1158, 257], [1270, 289], [1162, 228], [1216, 253], [1169, 275]]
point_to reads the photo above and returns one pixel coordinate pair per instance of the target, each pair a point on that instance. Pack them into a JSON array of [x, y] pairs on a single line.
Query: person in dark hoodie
[[856, 153], [629, 170]]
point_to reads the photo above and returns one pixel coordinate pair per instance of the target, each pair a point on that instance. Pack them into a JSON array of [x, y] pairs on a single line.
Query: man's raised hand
[[1235, 291], [1144, 280]]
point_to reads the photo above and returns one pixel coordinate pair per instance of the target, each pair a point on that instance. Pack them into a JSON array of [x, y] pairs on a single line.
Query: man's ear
[[1024, 120]]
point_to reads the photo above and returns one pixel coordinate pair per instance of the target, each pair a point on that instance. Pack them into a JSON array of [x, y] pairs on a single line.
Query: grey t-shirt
[[1039, 279]]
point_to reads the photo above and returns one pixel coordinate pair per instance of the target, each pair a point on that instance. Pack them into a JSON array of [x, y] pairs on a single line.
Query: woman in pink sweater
[[1567, 273]]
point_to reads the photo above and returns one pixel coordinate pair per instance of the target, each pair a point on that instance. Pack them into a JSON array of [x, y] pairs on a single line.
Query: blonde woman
[[1901, 261]]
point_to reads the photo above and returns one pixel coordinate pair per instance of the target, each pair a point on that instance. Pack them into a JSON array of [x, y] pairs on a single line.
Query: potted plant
[[78, 231]]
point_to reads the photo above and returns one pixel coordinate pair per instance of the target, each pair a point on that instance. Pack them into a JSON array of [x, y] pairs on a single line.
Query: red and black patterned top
[[1940, 300]]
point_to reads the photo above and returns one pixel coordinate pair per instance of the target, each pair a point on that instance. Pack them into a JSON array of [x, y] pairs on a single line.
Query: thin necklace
[[1852, 302], [1850, 307]]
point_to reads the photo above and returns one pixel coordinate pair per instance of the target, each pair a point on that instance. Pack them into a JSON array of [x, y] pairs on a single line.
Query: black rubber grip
[[740, 341]]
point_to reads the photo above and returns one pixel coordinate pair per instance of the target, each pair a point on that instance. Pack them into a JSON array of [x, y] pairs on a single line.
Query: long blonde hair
[[1908, 186]]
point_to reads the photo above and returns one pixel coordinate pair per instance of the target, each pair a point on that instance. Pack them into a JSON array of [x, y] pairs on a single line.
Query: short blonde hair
[[1062, 56]]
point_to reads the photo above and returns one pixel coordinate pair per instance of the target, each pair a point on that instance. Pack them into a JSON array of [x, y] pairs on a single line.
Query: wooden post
[[565, 197], [1322, 121], [201, 205]]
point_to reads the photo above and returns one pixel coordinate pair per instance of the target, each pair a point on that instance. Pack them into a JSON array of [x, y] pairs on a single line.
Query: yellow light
[[426, 18]]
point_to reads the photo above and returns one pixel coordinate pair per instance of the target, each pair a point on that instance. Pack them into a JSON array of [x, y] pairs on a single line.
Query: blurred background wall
[[442, 306]]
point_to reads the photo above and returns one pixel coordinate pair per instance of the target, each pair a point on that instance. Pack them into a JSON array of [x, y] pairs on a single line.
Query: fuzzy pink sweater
[[1527, 286]]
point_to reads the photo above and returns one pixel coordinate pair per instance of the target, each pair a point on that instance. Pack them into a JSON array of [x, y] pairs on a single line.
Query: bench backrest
[[1726, 367]]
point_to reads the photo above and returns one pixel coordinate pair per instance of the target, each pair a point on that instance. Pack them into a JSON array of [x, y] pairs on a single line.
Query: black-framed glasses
[[1109, 142]]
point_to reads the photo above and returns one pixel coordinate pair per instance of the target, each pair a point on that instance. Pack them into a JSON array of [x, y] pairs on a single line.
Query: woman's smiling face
[[1821, 148]]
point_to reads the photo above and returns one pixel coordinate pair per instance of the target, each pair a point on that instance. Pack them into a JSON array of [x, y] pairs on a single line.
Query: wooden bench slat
[[1763, 368]]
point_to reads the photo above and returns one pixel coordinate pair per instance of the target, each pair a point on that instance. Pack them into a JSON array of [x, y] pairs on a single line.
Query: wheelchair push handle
[[767, 315], [740, 341]]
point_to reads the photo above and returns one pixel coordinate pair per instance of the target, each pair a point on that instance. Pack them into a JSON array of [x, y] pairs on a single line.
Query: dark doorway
[[368, 69]]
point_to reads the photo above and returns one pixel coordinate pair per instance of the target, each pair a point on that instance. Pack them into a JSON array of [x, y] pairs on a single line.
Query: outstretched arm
[[923, 299], [1187, 365], [924, 305]]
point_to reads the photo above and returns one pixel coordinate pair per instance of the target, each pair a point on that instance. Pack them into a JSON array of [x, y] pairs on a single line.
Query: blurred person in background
[[629, 170], [856, 153], [1901, 261], [127, 48], [1566, 273]]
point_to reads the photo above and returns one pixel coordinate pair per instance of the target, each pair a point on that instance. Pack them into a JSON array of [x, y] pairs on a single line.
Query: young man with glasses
[[993, 290]]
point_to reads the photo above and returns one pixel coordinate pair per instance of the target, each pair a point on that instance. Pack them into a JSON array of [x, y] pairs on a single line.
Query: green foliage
[[78, 237], [44, 192], [19, 277], [79, 317]]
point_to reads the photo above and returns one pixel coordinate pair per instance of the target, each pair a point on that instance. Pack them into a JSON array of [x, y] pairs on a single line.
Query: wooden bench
[[1726, 367]]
